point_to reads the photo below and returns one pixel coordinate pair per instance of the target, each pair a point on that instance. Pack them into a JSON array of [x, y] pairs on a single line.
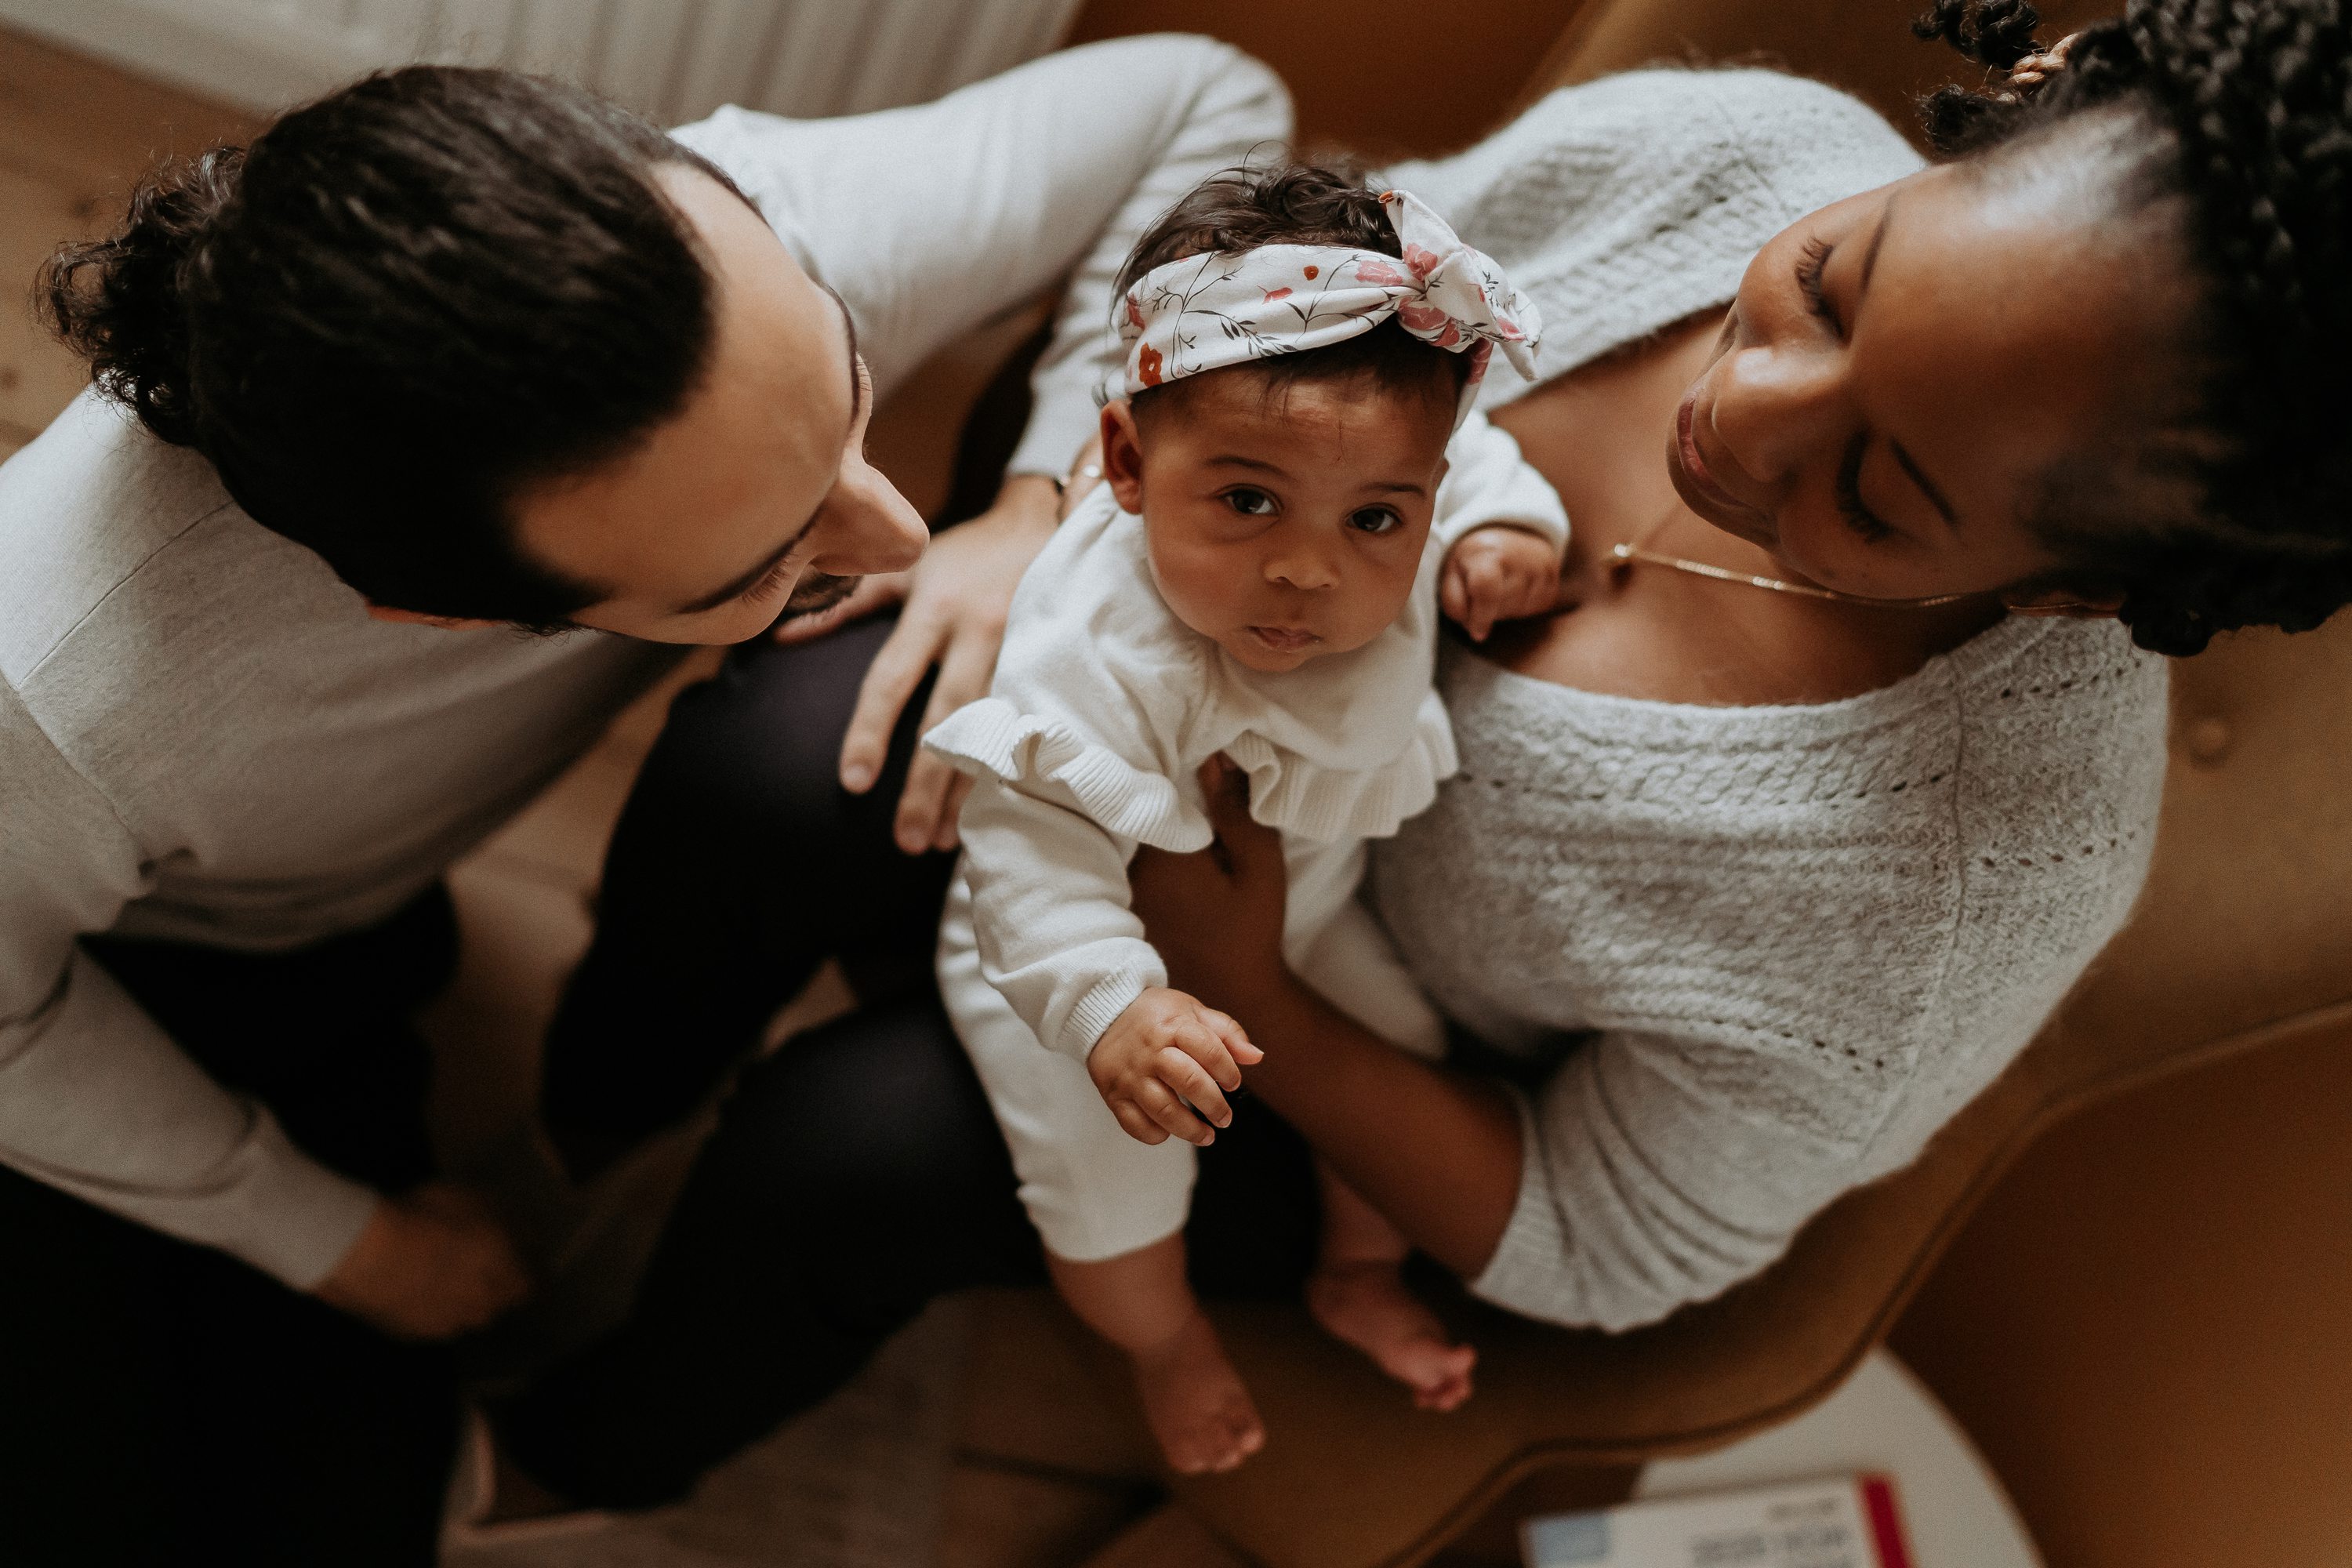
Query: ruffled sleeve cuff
[[1049, 759]]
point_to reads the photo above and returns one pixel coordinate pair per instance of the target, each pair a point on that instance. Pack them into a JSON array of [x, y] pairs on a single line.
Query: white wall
[[674, 59]]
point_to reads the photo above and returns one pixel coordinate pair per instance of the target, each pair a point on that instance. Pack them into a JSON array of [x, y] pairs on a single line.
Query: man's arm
[[95, 1098]]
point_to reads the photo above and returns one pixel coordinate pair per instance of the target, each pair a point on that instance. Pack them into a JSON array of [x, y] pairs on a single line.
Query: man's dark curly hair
[[2244, 120], [1298, 204], [401, 306]]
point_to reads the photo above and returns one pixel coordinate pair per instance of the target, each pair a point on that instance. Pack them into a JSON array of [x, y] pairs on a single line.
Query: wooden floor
[[74, 135]]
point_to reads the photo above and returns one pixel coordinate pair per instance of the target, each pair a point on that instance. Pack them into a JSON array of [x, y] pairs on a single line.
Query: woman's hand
[[956, 599], [1216, 917]]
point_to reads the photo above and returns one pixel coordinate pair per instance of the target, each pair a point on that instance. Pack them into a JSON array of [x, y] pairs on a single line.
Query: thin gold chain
[[1623, 557]]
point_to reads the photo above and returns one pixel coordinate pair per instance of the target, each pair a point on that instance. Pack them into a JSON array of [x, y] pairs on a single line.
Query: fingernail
[[855, 777]]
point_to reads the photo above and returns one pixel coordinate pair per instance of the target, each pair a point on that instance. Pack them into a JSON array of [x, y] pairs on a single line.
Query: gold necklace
[[1622, 558]]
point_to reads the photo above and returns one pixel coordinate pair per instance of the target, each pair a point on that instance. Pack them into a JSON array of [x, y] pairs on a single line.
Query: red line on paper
[[1886, 1523]]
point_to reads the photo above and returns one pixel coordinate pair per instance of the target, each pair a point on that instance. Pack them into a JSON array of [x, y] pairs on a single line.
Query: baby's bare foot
[[1195, 1404], [1367, 1305]]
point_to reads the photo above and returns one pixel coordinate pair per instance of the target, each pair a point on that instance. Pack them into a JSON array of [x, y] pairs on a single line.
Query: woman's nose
[[1774, 407], [869, 526]]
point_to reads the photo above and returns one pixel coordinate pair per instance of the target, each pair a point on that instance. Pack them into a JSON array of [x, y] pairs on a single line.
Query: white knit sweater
[[1762, 952]]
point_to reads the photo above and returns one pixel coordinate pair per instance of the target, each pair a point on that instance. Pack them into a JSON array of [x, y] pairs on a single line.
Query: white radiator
[[674, 59]]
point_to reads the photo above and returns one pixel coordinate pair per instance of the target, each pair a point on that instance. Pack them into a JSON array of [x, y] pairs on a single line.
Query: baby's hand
[[1499, 573], [1164, 1047]]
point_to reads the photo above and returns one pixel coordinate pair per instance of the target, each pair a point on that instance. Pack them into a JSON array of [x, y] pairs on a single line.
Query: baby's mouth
[[1284, 639]]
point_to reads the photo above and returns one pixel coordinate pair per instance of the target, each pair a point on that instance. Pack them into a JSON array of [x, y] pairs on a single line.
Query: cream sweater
[[1752, 957]]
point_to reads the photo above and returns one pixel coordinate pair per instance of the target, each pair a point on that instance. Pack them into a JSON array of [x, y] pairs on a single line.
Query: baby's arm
[[1503, 530], [1059, 943]]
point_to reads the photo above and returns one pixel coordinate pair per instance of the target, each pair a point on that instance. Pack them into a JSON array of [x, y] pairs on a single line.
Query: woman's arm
[[1435, 1150]]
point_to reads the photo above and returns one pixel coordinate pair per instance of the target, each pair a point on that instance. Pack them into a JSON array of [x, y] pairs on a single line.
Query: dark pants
[[856, 1174], [164, 1405]]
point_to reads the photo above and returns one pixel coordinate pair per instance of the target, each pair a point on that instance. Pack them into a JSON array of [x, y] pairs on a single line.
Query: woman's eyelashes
[[1811, 264], [1866, 524]]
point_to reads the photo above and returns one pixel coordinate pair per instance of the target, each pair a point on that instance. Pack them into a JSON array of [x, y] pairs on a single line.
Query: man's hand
[[956, 599], [1499, 573], [1164, 1050], [429, 1266]]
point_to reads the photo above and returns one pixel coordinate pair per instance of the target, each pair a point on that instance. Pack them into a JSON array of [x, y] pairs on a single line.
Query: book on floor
[[1839, 1521]]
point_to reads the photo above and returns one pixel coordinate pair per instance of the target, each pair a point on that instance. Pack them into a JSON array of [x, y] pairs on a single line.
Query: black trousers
[[858, 1173], [164, 1405]]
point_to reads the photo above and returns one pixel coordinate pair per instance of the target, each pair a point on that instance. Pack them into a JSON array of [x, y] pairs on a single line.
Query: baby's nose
[[1310, 570]]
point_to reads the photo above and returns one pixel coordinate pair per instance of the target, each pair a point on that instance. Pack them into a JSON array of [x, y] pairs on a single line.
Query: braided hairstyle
[[2244, 123]]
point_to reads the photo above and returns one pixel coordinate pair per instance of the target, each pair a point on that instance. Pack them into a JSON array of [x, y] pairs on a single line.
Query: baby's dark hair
[[1298, 204], [2241, 117]]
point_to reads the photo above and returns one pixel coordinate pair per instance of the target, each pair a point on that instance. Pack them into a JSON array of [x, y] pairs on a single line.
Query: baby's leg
[[1199, 1411], [1359, 1294]]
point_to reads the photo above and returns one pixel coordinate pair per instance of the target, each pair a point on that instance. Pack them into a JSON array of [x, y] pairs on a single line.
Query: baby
[[1296, 481]]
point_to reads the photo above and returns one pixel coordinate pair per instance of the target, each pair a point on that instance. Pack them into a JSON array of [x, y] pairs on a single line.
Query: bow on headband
[[1204, 312]]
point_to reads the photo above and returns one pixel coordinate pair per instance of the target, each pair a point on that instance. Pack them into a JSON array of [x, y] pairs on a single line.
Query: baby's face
[[1283, 525]]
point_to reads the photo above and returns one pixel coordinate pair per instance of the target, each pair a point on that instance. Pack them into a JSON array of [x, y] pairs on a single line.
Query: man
[[445, 353]]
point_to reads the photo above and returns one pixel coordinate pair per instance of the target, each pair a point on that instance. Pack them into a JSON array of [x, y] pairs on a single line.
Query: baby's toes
[[1445, 1394], [1430, 1366], [1240, 1433]]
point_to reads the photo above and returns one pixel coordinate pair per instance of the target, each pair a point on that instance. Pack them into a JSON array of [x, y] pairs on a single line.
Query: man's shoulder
[[84, 509]]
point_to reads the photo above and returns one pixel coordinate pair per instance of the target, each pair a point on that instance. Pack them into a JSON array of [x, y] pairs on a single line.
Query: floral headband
[[1208, 311]]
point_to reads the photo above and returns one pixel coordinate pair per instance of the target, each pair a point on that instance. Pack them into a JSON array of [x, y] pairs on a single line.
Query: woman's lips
[[1693, 464]]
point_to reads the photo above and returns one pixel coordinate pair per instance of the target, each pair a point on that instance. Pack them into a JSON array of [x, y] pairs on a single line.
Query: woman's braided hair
[[2248, 107]]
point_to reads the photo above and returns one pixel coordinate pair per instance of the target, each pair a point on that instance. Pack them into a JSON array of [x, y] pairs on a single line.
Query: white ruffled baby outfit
[[1103, 707]]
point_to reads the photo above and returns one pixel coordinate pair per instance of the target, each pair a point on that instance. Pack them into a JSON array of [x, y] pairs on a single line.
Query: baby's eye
[[1250, 503], [1375, 520]]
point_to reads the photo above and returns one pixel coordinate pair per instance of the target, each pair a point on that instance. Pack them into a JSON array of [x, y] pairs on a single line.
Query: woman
[[1753, 882]]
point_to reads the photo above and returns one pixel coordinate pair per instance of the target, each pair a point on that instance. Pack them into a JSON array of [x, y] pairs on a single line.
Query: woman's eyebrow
[[1910, 465], [1926, 485], [1870, 257]]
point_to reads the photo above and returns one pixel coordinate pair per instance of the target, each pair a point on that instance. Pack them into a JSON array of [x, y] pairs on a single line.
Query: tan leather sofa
[[2242, 942]]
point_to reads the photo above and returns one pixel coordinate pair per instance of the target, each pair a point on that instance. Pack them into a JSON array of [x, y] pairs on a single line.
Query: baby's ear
[[1122, 454]]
